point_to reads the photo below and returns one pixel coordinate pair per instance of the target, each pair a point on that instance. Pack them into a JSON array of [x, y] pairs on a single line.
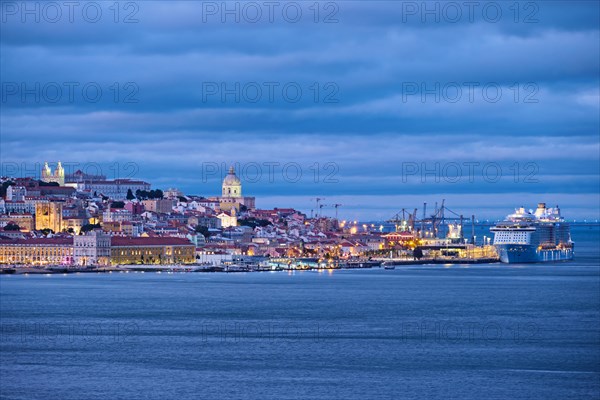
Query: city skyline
[[368, 90]]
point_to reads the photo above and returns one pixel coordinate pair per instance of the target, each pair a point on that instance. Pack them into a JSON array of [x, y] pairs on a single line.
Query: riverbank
[[382, 263]]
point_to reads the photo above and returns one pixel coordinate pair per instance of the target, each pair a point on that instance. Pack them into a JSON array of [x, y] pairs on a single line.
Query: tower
[[58, 176], [232, 186], [48, 216]]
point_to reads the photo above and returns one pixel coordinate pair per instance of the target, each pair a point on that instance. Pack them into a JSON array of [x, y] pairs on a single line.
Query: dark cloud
[[361, 107]]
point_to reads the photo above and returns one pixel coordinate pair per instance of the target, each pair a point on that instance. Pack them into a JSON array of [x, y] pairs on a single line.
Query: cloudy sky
[[377, 106]]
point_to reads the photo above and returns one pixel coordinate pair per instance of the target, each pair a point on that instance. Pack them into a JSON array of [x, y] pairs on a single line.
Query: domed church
[[231, 194], [232, 186]]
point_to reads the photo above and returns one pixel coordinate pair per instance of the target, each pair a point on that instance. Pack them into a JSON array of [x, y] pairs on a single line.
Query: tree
[[117, 204], [253, 222], [417, 253], [47, 231], [130, 195], [5, 186], [89, 227], [11, 226], [42, 183], [203, 230]]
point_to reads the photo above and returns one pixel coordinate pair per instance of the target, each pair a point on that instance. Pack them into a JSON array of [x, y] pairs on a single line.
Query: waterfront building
[[152, 250], [212, 257], [93, 248], [38, 251]]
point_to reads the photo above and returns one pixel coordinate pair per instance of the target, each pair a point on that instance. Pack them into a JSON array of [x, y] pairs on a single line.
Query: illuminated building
[[73, 224], [48, 216], [39, 251], [231, 194], [152, 250], [24, 221], [228, 220], [57, 176], [92, 248]]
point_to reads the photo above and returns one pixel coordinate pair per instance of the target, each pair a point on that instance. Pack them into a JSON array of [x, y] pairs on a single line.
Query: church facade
[[57, 176], [231, 194]]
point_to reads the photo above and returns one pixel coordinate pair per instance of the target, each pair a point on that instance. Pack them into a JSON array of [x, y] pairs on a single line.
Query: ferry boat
[[528, 237]]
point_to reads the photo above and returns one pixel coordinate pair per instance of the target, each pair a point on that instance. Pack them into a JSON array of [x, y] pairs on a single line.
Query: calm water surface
[[468, 332]]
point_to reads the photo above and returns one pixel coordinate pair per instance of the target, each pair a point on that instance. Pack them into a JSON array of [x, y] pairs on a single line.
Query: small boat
[[387, 265]]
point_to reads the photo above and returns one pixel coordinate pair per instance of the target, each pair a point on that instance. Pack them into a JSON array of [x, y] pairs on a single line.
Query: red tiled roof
[[39, 241], [149, 241]]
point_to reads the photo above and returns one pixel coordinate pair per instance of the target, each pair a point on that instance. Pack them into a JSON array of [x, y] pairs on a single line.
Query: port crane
[[318, 208], [404, 220], [336, 206]]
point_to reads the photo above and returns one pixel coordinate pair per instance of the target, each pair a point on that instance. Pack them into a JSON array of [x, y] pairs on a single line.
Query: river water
[[469, 332]]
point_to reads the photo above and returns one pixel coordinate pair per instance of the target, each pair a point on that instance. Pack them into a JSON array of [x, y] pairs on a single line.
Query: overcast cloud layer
[[374, 105]]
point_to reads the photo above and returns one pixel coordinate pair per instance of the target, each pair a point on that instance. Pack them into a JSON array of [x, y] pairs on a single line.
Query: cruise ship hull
[[515, 253]]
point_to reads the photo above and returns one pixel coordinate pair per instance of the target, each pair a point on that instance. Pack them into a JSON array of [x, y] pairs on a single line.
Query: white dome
[[231, 179]]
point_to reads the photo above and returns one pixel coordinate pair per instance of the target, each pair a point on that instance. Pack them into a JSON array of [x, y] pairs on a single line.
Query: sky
[[377, 106]]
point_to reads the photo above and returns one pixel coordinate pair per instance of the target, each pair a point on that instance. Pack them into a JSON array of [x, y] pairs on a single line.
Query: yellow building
[[231, 194], [40, 251], [152, 250], [48, 216], [74, 223], [24, 221]]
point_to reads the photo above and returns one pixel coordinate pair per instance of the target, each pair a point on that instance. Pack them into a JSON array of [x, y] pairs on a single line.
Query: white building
[[228, 220], [16, 193], [115, 189], [92, 248]]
